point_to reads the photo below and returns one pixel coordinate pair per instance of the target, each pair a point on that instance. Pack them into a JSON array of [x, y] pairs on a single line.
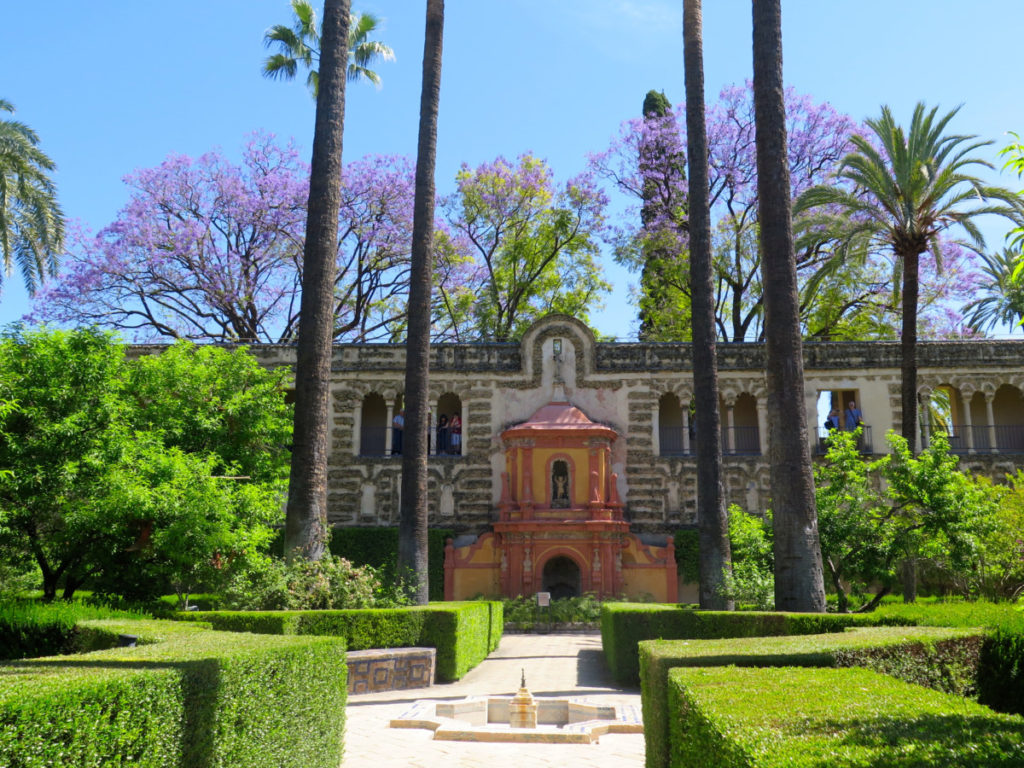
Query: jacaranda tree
[[642, 162], [209, 249]]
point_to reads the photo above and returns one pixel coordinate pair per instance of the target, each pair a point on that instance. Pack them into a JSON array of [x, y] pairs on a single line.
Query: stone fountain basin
[[559, 721]]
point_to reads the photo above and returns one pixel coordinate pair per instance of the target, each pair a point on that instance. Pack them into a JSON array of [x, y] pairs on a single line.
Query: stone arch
[[561, 574], [943, 410], [671, 436], [747, 439], [373, 425], [444, 439], [574, 332], [1008, 419]]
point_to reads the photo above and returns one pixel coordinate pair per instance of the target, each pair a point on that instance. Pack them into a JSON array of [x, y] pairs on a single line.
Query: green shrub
[[185, 696], [585, 609], [623, 625], [796, 718], [687, 543], [328, 583], [463, 633], [30, 628], [377, 546], [937, 655]]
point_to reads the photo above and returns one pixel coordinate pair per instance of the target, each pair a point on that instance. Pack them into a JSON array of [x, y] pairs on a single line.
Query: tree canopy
[[300, 43], [115, 468], [31, 219], [535, 245]]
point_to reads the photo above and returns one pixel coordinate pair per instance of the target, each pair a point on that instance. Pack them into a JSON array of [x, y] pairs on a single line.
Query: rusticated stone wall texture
[[622, 385]]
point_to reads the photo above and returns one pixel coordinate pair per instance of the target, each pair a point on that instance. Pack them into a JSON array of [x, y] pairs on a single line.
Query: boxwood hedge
[[463, 633], [623, 625], [29, 628], [784, 717], [184, 696], [938, 656]]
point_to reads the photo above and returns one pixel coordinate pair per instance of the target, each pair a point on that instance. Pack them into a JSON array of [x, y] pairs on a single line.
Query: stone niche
[[560, 527]]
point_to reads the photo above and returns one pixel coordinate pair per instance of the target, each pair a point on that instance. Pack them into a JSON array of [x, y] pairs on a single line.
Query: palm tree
[[301, 43], [715, 555], [799, 579], [1002, 295], [305, 533], [31, 220], [910, 188], [412, 525]]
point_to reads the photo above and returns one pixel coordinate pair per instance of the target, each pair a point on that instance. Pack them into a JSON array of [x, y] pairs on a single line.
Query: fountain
[[520, 718]]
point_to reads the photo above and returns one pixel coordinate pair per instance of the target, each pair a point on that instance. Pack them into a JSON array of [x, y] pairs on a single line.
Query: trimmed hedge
[[790, 718], [1001, 669], [1001, 672], [943, 657], [623, 625], [186, 696], [463, 633], [955, 613], [30, 628]]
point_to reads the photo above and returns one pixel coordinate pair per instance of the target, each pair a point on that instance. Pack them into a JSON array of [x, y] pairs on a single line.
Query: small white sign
[[543, 599]]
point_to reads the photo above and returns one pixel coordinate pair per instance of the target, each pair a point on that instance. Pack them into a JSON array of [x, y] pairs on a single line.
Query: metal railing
[[373, 442], [864, 442], [999, 438], [746, 441]]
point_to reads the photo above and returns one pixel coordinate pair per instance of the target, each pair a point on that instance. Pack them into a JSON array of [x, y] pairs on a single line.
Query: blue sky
[[111, 86]]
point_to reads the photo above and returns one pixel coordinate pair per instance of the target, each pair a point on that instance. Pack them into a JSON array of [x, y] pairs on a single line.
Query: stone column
[[762, 426], [925, 423], [656, 430], [526, 497], [357, 429], [432, 431], [387, 427], [965, 401], [686, 427], [464, 416], [993, 447], [730, 437]]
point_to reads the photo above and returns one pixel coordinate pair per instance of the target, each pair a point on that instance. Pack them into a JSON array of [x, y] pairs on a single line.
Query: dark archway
[[561, 577]]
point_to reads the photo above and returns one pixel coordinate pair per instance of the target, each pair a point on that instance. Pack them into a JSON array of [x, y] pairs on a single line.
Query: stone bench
[[390, 669]]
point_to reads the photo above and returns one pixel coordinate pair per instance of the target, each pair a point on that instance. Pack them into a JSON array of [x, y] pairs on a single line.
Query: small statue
[[522, 680]]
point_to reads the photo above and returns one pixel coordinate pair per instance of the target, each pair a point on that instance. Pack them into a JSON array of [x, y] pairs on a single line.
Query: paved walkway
[[555, 665]]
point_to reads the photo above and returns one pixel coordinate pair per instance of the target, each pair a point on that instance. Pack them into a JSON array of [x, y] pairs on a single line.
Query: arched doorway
[[561, 577]]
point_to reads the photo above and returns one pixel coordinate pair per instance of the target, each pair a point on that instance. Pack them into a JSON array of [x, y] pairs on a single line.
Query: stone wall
[[619, 385]]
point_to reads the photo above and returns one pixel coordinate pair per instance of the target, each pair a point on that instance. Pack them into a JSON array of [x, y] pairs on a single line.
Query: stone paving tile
[[555, 664]]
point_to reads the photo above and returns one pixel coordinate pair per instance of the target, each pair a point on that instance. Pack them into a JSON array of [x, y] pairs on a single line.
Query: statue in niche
[[559, 485]]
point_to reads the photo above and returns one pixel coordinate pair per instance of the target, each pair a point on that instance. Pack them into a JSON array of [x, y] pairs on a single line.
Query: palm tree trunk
[[412, 526], [799, 582], [908, 348], [306, 517], [713, 521]]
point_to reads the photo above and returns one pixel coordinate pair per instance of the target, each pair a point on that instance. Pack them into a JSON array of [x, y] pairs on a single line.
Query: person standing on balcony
[[854, 417], [832, 422], [398, 427], [442, 433], [455, 429]]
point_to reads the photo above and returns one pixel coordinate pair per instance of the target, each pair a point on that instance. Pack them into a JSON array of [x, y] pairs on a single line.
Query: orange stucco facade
[[560, 526]]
